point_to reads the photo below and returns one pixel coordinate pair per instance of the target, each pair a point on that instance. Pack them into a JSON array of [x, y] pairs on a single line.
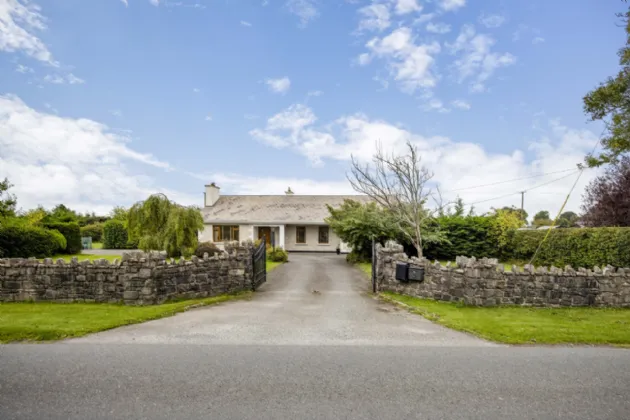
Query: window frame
[[297, 235], [319, 235], [220, 232]]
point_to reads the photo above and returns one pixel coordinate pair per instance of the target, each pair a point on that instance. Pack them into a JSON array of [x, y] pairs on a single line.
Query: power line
[[552, 181], [510, 180]]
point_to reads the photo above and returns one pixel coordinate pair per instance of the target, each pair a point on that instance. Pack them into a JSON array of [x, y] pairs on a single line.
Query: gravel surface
[[290, 353]]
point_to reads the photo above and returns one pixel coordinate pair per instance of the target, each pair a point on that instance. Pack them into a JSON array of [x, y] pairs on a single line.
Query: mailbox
[[402, 271], [416, 274]]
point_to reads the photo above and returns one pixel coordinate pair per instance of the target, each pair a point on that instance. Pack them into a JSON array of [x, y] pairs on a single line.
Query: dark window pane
[[323, 234]]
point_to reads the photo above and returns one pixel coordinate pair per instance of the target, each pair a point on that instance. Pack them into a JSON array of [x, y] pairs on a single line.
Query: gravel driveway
[[315, 299]]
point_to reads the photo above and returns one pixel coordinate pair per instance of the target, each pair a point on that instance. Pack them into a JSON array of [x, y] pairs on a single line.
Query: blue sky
[[103, 102]]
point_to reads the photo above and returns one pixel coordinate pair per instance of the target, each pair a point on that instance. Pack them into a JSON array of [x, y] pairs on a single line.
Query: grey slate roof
[[281, 209]]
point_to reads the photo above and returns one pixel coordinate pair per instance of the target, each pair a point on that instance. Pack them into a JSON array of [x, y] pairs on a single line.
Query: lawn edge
[[436, 319], [245, 295]]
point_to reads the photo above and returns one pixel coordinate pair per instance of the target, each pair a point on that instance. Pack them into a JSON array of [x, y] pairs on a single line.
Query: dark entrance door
[[266, 232]]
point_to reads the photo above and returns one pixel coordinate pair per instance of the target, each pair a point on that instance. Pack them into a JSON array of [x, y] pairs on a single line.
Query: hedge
[[94, 231], [72, 232], [468, 236], [114, 235], [30, 241], [586, 247]]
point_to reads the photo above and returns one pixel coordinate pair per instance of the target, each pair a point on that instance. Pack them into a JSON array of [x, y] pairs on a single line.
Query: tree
[[568, 219], [459, 208], [119, 213], [62, 214], [8, 201], [610, 103], [504, 226], [520, 212], [357, 224], [606, 201], [542, 218], [160, 224], [399, 183]]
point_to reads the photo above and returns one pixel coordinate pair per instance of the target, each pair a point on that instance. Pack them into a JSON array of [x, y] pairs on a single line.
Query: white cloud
[[538, 40], [424, 18], [456, 165], [78, 162], [477, 62], [314, 93], [435, 104], [450, 5], [116, 112], [208, 118], [492, 21], [196, 90], [24, 69], [125, 3], [407, 6], [409, 64], [245, 23], [19, 20], [281, 85], [461, 104], [304, 9], [57, 79], [438, 28], [155, 2], [374, 17]]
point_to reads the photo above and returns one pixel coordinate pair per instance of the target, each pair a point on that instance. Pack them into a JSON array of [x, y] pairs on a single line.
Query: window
[[300, 235], [224, 233], [323, 234]]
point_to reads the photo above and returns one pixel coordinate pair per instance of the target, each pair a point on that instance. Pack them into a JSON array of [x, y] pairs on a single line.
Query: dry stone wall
[[486, 283], [139, 279]]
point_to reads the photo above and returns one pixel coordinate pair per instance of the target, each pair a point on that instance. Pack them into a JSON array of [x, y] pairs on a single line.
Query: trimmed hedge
[[72, 232], [114, 235], [278, 255], [94, 231], [468, 236], [30, 241], [586, 247]]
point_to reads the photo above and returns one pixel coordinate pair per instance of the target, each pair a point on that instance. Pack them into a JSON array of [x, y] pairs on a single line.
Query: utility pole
[[522, 201]]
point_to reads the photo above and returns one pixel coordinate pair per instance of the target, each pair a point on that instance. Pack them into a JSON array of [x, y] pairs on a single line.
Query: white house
[[293, 222]]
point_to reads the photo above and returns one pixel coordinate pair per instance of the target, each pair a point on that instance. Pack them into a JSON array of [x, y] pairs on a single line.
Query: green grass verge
[[44, 321], [97, 245], [272, 264], [82, 257], [524, 325], [366, 267]]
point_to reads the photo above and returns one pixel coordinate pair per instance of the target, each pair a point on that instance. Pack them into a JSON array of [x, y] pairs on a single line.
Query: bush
[[114, 235], [586, 247], [30, 241], [466, 236], [72, 232], [278, 255], [94, 231], [208, 247], [355, 257]]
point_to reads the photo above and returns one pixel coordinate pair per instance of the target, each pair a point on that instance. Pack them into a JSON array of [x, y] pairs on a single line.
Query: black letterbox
[[402, 270], [416, 274]]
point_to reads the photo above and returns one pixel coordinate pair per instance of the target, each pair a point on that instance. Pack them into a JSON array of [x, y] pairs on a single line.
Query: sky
[[104, 102]]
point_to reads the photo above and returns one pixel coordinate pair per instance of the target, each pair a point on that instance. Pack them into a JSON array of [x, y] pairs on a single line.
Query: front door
[[266, 232]]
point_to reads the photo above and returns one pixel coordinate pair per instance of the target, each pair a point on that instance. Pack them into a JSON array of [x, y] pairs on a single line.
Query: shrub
[[72, 232], [355, 257], [94, 231], [467, 236], [586, 247], [278, 255], [30, 241], [114, 235], [208, 247]]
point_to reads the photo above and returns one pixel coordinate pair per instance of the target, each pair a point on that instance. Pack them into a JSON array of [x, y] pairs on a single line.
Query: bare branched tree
[[399, 184]]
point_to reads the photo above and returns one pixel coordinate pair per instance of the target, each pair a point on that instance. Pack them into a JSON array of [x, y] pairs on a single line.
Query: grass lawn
[[366, 267], [83, 257], [97, 245], [271, 265], [522, 325], [43, 321]]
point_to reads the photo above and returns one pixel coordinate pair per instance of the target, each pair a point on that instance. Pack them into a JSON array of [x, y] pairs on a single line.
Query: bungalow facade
[[293, 222]]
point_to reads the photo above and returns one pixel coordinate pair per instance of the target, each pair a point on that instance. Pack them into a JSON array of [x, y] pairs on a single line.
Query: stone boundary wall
[[485, 282], [139, 279]]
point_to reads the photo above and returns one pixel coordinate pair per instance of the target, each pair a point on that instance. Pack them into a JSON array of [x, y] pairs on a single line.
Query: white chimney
[[212, 195]]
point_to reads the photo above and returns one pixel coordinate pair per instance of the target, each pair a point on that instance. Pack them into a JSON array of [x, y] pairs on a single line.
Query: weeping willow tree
[[160, 224]]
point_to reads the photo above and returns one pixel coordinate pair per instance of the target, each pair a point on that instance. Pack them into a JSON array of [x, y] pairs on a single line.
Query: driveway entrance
[[315, 299]]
